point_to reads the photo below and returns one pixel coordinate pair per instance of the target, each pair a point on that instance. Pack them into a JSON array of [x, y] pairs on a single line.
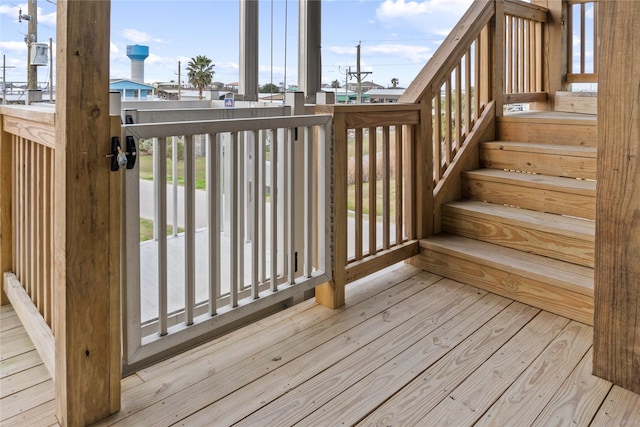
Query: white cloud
[[13, 46], [113, 49], [136, 36], [406, 52], [426, 15]]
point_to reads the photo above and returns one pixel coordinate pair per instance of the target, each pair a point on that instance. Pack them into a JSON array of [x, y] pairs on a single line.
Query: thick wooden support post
[[332, 294], [498, 51], [6, 225], [84, 298], [616, 349]]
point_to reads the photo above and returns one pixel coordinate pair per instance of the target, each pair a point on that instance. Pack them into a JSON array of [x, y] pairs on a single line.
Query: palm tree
[[394, 82], [200, 72], [335, 84]]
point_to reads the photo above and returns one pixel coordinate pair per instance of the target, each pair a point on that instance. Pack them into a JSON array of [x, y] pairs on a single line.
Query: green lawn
[[351, 198], [146, 230], [146, 171]]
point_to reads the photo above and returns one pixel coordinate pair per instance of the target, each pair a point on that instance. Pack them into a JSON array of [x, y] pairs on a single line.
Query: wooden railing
[[523, 51], [264, 239], [582, 43], [378, 162], [27, 169]]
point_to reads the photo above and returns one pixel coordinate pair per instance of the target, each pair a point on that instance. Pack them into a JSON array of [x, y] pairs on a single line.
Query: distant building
[[385, 94], [130, 90]]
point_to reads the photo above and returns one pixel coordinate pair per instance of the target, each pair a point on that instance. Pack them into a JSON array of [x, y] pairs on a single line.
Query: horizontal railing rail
[[582, 43], [266, 237], [28, 175]]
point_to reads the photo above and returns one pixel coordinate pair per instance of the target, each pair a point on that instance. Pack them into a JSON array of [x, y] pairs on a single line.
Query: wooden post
[[332, 294], [498, 48], [6, 218], [616, 348], [85, 301]]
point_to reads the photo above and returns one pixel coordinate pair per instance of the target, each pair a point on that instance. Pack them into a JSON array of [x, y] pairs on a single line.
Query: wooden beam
[[6, 217], [617, 281], [83, 292]]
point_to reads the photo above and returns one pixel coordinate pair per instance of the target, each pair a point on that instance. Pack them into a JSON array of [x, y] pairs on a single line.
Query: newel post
[[332, 294], [87, 388], [616, 341], [6, 221]]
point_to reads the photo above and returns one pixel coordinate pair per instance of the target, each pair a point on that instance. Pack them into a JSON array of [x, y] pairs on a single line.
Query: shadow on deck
[[409, 348]]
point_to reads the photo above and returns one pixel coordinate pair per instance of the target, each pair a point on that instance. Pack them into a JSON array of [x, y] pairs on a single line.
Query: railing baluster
[[255, 219], [437, 135], [373, 198], [291, 200], [309, 198], [214, 165], [458, 107], [262, 205], [447, 123], [359, 179], [189, 227], [160, 225], [273, 193], [386, 187], [232, 149], [521, 59], [241, 142], [399, 187], [476, 79], [467, 93], [583, 37]]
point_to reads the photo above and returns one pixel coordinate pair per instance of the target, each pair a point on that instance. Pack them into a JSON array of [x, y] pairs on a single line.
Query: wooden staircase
[[525, 227]]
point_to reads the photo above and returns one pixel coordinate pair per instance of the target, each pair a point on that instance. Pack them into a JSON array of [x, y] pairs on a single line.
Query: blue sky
[[397, 36]]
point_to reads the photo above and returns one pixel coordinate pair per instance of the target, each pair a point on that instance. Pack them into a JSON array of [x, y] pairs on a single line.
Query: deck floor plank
[[466, 403], [365, 395], [422, 394], [292, 353], [529, 394], [409, 348], [296, 404], [577, 401]]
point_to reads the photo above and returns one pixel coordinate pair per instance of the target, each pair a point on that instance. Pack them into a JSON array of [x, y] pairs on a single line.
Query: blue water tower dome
[[137, 54]]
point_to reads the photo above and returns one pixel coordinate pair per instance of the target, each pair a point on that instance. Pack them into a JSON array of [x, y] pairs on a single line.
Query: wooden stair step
[[548, 127], [576, 102], [558, 195], [556, 286], [548, 159], [555, 236]]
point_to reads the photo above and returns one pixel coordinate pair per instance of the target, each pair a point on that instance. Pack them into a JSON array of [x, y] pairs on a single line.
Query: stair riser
[[517, 236], [510, 284], [539, 199], [546, 164], [548, 133]]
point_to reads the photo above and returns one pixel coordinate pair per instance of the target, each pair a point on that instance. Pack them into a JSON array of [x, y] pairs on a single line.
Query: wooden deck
[[410, 348]]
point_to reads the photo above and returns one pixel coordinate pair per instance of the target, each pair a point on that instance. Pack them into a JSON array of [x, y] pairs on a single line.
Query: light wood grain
[[577, 400], [530, 393], [469, 400], [617, 324], [82, 323], [554, 236], [552, 285], [563, 196], [6, 204], [548, 128], [554, 160], [620, 408]]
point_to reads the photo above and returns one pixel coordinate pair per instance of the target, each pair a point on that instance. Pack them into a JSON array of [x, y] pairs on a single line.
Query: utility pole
[[32, 34], [359, 74], [179, 81]]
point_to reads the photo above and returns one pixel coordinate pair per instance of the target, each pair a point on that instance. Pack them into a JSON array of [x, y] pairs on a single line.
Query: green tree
[[200, 72], [269, 88], [335, 84]]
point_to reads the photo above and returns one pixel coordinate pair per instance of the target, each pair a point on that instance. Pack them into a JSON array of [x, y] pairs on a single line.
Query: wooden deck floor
[[410, 348]]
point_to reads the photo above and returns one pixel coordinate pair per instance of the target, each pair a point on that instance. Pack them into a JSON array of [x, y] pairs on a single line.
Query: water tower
[[137, 54]]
